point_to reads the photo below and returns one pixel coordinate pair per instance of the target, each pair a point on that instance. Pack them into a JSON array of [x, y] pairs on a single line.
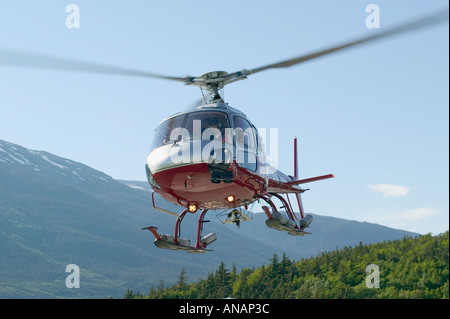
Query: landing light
[[192, 208], [230, 198]]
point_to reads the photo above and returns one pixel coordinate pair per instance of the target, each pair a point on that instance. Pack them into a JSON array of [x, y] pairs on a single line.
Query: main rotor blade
[[19, 58], [439, 17]]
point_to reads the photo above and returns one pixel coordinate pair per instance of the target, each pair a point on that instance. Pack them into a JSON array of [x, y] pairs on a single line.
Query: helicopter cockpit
[[214, 133]]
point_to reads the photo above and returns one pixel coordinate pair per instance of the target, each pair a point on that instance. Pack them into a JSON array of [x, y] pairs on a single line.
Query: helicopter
[[212, 157]]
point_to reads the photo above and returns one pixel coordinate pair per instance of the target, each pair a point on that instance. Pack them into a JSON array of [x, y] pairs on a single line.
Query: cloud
[[389, 190], [417, 214], [420, 220]]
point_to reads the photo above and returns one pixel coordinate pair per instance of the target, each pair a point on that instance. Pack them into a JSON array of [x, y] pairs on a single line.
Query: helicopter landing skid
[[279, 222], [168, 242], [175, 243], [276, 224]]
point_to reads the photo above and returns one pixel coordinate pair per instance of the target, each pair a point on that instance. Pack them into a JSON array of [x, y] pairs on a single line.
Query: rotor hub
[[213, 74]]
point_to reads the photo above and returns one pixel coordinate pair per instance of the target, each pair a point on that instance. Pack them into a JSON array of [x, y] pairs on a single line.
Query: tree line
[[407, 268]]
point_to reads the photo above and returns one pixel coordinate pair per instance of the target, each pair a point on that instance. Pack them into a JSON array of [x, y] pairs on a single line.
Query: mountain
[[55, 212]]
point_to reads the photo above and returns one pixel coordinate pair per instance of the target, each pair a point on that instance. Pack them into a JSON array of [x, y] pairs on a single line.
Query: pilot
[[214, 123]]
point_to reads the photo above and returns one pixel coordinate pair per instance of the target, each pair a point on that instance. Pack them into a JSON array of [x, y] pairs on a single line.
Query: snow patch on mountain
[[53, 163], [40, 161]]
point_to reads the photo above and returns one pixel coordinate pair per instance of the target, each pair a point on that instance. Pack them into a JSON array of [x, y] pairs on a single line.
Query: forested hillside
[[408, 268]]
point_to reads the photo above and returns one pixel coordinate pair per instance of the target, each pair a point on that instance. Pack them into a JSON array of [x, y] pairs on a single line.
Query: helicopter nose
[[162, 159], [167, 161], [168, 156], [150, 178]]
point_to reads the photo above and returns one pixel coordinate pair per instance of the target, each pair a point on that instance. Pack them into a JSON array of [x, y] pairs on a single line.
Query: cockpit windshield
[[200, 124], [195, 125]]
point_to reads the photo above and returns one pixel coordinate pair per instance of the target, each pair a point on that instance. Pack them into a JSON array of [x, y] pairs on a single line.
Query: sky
[[375, 116]]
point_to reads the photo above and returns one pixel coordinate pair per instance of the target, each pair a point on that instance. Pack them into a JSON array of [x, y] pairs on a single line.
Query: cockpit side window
[[245, 143], [245, 133], [163, 131]]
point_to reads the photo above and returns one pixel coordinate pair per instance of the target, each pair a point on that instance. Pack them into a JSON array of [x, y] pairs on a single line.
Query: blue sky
[[376, 116]]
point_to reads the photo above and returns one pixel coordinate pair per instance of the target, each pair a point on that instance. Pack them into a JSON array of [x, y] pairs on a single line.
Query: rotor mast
[[214, 81]]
